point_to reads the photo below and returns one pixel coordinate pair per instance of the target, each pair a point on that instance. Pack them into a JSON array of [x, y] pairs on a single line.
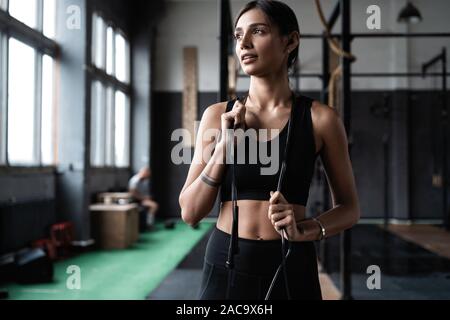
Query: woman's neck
[[268, 94]]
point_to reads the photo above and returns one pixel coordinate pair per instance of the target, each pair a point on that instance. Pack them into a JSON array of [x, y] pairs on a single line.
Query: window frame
[[111, 85], [10, 27], [3, 98]]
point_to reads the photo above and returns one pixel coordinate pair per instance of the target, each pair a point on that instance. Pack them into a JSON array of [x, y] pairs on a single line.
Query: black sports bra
[[252, 184]]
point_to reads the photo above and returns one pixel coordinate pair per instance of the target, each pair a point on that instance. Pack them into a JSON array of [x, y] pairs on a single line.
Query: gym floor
[[119, 274], [408, 270]]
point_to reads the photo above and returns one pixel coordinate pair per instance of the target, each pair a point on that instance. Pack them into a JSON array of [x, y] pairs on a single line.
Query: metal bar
[[224, 23], [3, 98], [107, 79], [386, 156], [445, 140], [402, 35], [385, 180], [346, 280], [409, 152], [29, 36], [368, 75], [325, 69], [442, 57], [382, 35], [37, 143], [397, 74], [325, 191], [334, 16], [90, 53], [431, 62], [40, 16], [6, 98]]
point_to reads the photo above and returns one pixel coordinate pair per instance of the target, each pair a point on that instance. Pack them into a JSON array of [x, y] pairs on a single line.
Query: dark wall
[[410, 158], [108, 180], [426, 154]]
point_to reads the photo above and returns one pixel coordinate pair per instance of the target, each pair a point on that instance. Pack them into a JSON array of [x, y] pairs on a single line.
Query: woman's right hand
[[234, 117]]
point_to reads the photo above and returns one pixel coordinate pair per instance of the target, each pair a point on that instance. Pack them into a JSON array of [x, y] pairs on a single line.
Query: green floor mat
[[119, 274]]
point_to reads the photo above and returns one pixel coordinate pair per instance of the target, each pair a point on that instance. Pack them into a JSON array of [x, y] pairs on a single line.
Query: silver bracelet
[[209, 181], [322, 228]]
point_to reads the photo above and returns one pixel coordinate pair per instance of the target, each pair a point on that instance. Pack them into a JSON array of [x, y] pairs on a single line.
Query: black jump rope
[[233, 247]]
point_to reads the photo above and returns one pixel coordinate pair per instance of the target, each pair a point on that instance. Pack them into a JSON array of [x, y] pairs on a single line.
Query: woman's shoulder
[[212, 115], [327, 123], [323, 115], [217, 108]]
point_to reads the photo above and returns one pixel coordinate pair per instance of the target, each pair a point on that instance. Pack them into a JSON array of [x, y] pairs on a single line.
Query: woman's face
[[255, 35]]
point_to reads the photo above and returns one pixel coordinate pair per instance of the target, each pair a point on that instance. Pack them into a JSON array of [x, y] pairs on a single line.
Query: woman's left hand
[[281, 215]]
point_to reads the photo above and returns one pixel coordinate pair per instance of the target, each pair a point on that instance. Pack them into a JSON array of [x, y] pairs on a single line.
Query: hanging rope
[[334, 78], [335, 47]]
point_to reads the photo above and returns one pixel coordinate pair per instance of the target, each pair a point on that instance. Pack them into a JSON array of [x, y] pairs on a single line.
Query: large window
[[110, 101], [21, 103], [37, 14], [27, 106], [25, 11]]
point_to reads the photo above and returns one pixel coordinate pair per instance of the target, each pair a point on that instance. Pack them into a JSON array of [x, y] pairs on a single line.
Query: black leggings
[[255, 266]]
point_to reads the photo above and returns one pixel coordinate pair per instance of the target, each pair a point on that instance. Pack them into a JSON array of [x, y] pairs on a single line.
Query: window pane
[[122, 129], [99, 42], [122, 58], [47, 126], [98, 125], [110, 51], [25, 11], [21, 104], [109, 144], [3, 4], [49, 18]]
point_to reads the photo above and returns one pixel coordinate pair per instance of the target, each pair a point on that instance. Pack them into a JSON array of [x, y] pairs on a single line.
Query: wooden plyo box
[[115, 197], [114, 226]]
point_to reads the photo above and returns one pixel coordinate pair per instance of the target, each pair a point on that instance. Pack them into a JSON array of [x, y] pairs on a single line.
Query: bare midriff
[[254, 222]]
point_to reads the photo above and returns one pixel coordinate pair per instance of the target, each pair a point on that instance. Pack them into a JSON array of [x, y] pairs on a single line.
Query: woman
[[267, 40]]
